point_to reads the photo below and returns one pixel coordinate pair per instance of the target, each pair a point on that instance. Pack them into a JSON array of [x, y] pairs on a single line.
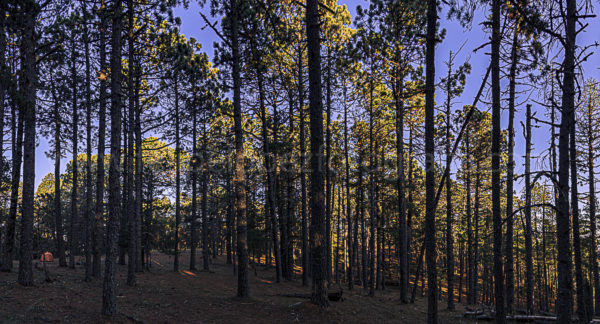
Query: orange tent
[[46, 257]]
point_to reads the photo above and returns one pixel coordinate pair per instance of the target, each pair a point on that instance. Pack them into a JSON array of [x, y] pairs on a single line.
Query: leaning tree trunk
[[317, 225], [109, 298]]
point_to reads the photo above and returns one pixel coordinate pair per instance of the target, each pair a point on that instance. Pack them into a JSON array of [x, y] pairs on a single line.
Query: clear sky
[[192, 25]]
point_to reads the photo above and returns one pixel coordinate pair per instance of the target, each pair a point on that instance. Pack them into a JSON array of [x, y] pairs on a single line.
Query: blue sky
[[192, 25]]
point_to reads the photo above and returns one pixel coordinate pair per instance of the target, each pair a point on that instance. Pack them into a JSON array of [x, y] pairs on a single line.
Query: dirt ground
[[165, 296]]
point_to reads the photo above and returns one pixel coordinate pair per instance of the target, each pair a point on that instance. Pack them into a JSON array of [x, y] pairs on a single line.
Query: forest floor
[[165, 296]]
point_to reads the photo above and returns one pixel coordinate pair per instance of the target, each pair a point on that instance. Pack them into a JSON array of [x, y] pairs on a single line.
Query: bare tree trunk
[[88, 220], [581, 309], [177, 176], [496, 187], [509, 268], [317, 226], [109, 301], [403, 234], [194, 164], [348, 206], [432, 307], [97, 239], [449, 239], [131, 107], [270, 165], [305, 252], [528, 233], [328, 180], [592, 200], [28, 92], [564, 302], [74, 239], [239, 181]]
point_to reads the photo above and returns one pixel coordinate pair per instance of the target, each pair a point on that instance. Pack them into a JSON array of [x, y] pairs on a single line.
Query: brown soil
[[165, 296]]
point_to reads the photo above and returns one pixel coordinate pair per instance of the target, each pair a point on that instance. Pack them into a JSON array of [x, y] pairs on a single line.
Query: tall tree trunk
[[270, 165], [28, 92], [138, 174], [194, 165], [449, 239], [470, 258], [177, 176], [402, 232], [88, 220], [62, 261], [564, 302], [509, 268], [581, 309], [109, 301], [305, 252], [239, 181], [97, 239], [74, 239], [372, 203], [204, 205], [528, 231], [317, 226], [592, 200], [348, 206], [3, 89], [328, 186], [496, 187], [432, 307], [131, 112], [17, 158]]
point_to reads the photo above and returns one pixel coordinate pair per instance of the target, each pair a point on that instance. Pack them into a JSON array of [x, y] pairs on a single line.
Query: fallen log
[[473, 313], [332, 296], [531, 318]]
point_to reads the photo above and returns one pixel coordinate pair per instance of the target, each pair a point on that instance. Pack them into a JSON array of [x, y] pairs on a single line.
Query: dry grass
[[165, 296]]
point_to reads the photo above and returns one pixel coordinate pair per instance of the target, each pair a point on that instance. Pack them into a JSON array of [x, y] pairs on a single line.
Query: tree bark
[[74, 239], [109, 302], [564, 302], [432, 307], [239, 181], [88, 220], [528, 230], [305, 252], [510, 168], [592, 201], [496, 186], [28, 92], [99, 212], [131, 221], [317, 226]]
